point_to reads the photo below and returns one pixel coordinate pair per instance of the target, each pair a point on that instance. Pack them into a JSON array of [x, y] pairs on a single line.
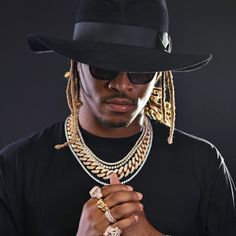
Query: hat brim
[[118, 57]]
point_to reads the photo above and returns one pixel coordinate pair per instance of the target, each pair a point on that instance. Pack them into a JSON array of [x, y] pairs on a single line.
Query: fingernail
[[140, 195], [136, 218], [129, 187], [140, 206]]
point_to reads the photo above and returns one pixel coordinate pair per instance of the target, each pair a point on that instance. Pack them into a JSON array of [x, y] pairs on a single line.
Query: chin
[[115, 122]]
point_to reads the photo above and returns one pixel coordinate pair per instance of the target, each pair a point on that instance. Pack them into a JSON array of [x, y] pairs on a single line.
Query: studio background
[[32, 88]]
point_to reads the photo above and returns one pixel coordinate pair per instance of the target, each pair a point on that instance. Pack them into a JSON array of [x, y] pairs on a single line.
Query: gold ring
[[112, 231], [102, 205], [110, 217], [96, 192]]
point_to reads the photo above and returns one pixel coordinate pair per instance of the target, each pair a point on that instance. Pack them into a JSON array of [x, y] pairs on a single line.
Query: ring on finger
[[102, 205], [96, 192], [109, 216], [112, 231]]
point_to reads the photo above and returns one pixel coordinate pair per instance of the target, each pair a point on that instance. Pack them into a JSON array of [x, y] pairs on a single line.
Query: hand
[[123, 203], [142, 227]]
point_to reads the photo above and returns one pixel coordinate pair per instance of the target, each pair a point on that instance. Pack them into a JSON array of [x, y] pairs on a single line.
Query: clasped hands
[[125, 207]]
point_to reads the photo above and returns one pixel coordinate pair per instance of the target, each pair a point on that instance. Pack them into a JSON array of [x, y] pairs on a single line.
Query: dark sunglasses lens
[[141, 78], [102, 74]]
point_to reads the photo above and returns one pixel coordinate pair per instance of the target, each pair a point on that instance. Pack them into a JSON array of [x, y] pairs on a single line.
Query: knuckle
[[126, 223], [105, 190], [126, 187], [115, 197], [135, 196], [138, 206], [95, 227], [132, 220], [86, 205], [130, 208], [90, 218], [116, 211], [109, 189], [125, 210]]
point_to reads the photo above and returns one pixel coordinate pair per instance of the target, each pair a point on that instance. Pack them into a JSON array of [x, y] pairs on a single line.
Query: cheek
[[145, 93], [87, 83], [92, 91], [88, 86]]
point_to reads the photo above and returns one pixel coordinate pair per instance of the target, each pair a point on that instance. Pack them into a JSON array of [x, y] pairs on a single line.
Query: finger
[[122, 197], [127, 222], [126, 209], [108, 189], [114, 179]]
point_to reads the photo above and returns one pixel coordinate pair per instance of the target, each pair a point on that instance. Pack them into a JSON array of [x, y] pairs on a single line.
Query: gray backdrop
[[32, 88]]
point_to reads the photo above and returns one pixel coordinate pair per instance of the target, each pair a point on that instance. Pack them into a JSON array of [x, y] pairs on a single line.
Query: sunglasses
[[136, 78]]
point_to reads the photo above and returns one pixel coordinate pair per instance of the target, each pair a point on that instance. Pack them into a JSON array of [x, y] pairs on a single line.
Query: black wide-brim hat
[[121, 35]]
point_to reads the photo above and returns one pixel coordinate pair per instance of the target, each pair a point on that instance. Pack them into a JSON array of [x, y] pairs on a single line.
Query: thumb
[[114, 179]]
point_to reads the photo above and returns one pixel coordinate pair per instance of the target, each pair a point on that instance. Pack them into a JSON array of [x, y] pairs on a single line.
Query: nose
[[121, 83]]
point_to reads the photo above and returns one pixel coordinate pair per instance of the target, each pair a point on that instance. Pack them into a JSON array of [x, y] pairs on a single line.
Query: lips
[[120, 105]]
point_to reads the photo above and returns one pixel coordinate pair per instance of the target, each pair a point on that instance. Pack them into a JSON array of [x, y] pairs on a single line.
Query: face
[[114, 103]]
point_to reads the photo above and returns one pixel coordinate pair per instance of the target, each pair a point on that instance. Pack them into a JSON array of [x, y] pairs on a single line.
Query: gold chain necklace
[[126, 168]]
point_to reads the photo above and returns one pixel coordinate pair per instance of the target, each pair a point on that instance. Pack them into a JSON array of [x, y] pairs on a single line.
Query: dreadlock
[[156, 108], [73, 100], [172, 106], [163, 95]]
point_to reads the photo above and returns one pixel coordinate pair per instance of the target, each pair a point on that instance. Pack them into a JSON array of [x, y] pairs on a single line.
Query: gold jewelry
[[128, 167], [109, 217], [102, 205], [96, 192], [159, 107], [112, 231]]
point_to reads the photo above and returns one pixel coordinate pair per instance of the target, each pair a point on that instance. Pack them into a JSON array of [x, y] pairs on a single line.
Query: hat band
[[122, 34]]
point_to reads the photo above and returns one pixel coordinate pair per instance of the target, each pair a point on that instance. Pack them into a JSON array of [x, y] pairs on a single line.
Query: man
[[151, 181]]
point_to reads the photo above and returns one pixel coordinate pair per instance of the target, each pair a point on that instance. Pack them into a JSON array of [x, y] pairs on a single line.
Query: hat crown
[[121, 35], [151, 14]]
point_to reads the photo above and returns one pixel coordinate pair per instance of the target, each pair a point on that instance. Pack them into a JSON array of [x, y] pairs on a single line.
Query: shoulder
[[180, 137], [188, 146], [35, 143], [196, 154], [194, 142]]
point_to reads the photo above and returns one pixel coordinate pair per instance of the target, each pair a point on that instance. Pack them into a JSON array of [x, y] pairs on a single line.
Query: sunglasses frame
[[113, 75]]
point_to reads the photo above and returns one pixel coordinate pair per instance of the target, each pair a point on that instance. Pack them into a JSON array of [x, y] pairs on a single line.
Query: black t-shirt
[[186, 186]]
